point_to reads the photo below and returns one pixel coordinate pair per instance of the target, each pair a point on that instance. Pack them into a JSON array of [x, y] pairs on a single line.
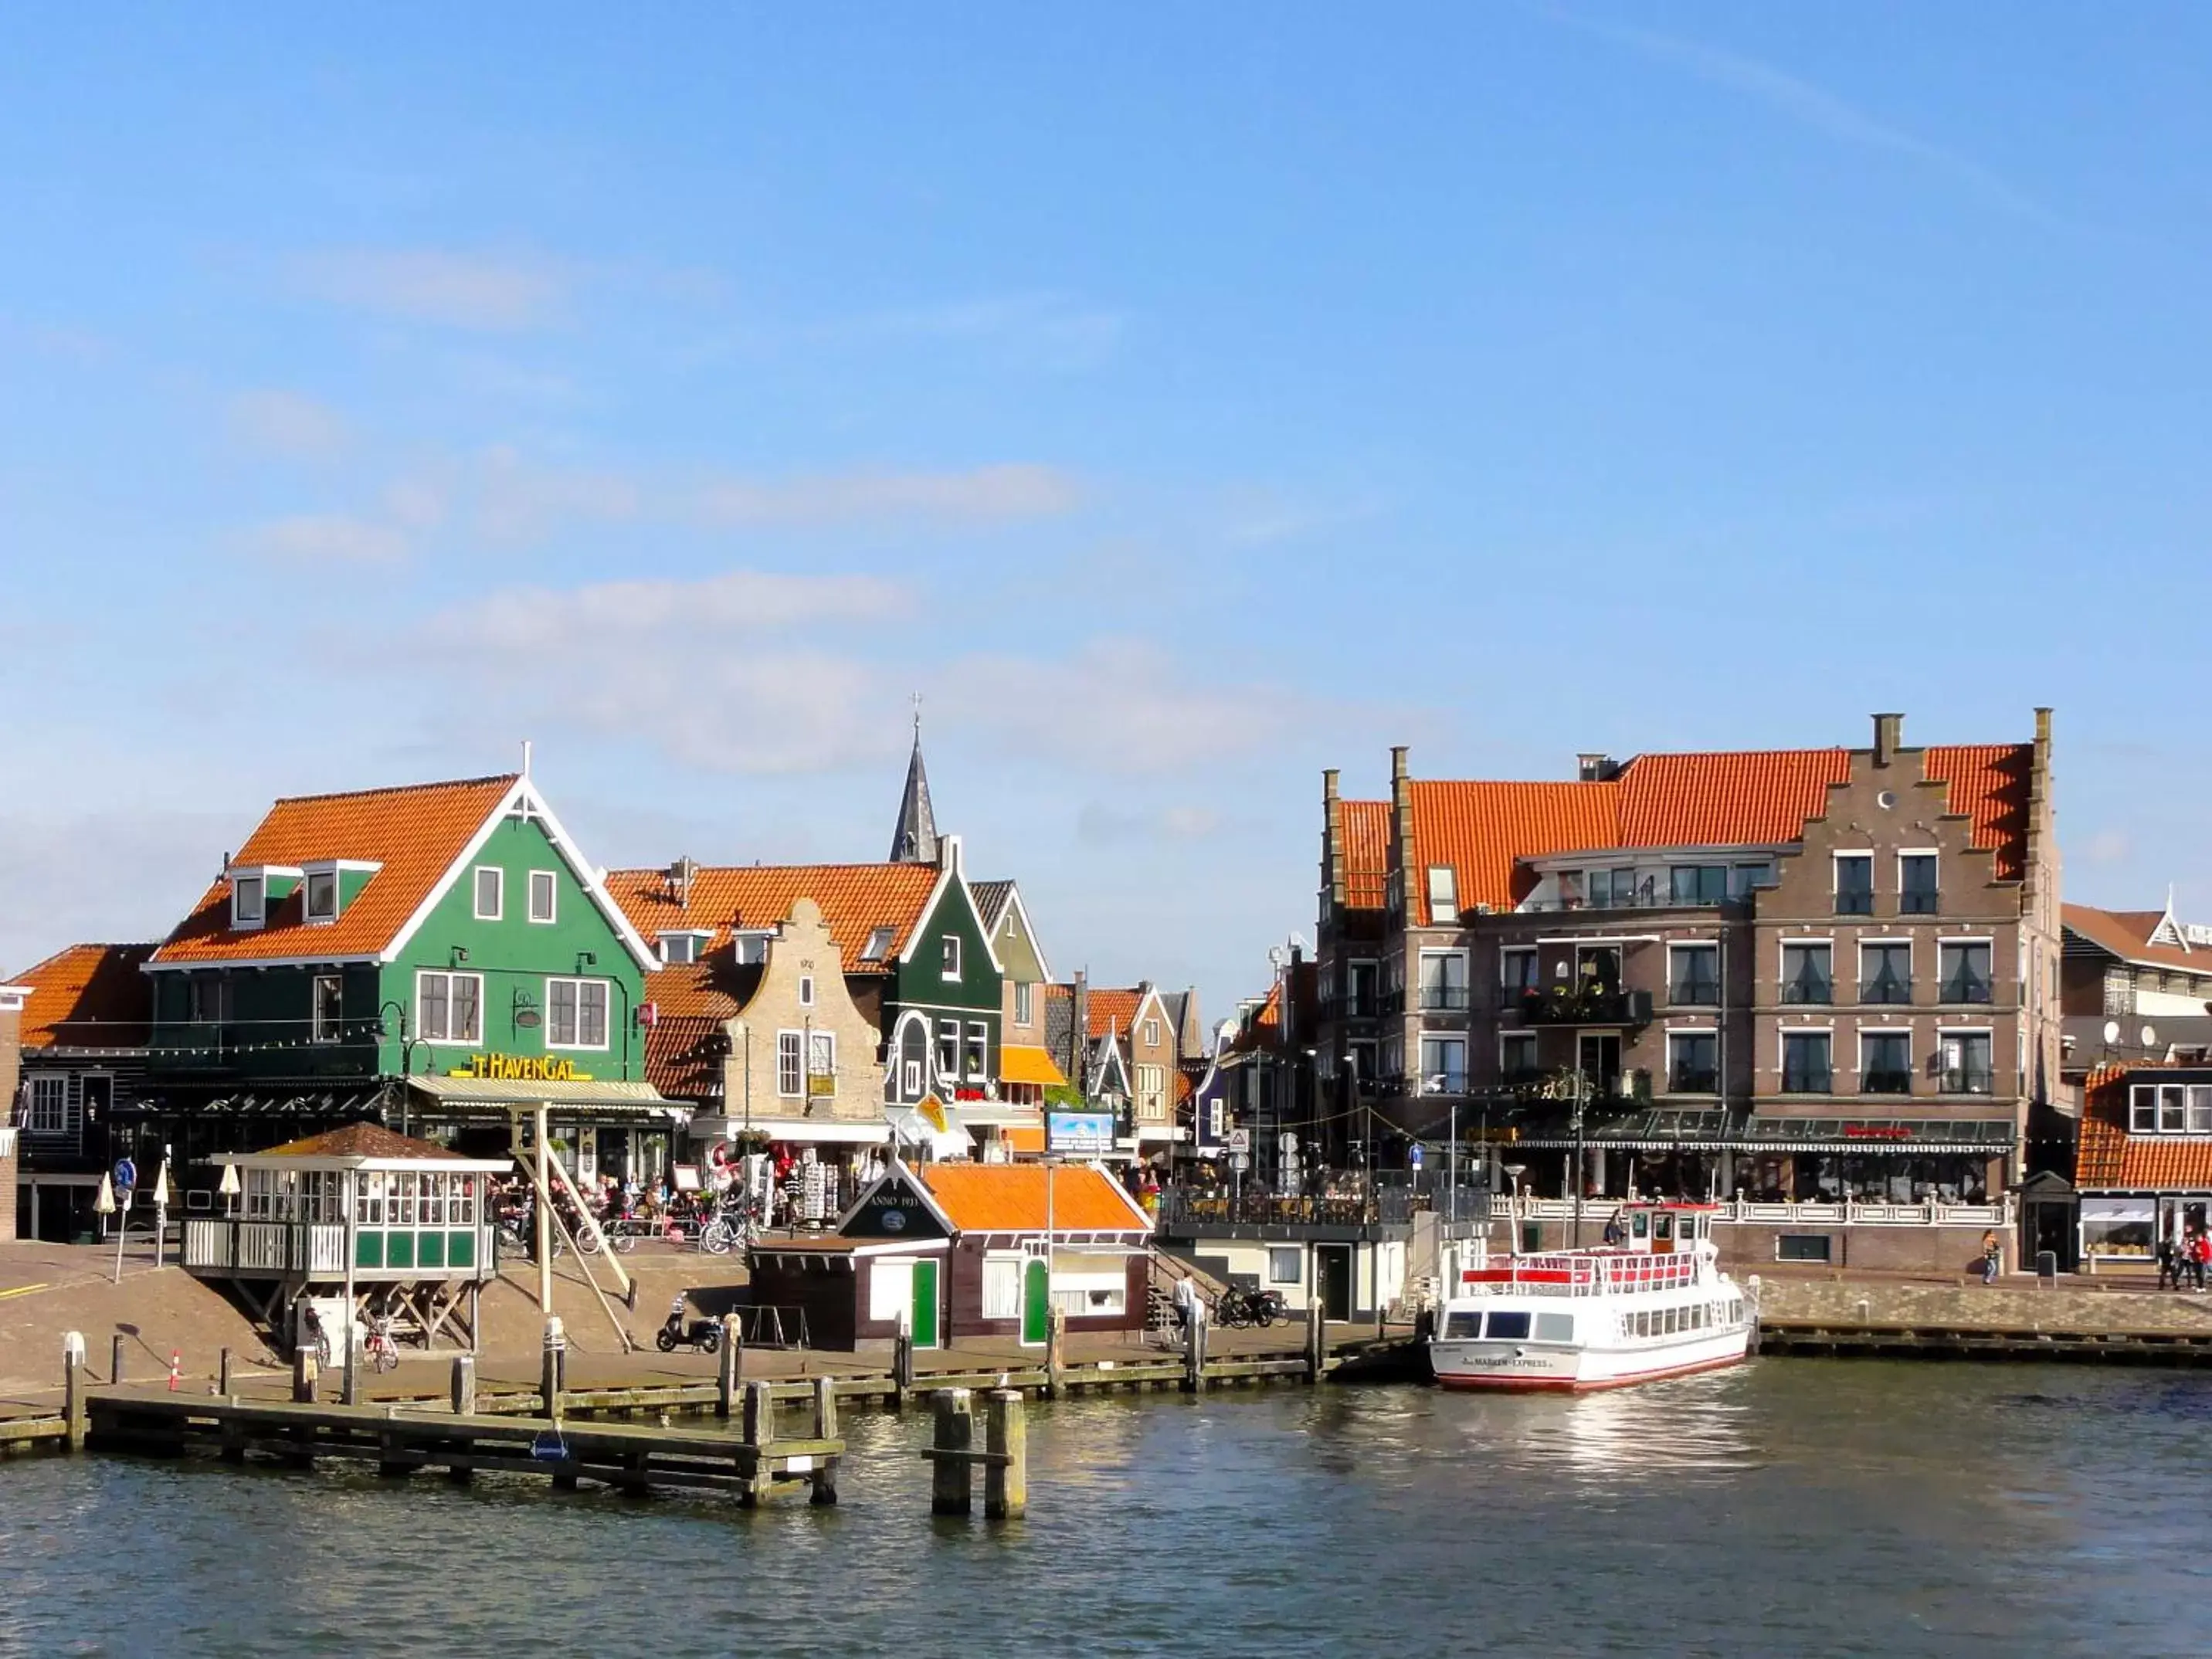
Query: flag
[[931, 1112]]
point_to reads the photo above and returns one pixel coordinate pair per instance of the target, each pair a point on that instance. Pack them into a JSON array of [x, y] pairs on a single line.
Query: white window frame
[[1275, 1254], [1002, 1284], [317, 1032], [948, 1031], [693, 938], [1449, 909], [976, 1047], [1151, 1034], [498, 910], [791, 1064], [552, 898], [240, 916], [749, 946], [606, 1013], [423, 975], [1942, 1032], [1713, 945], [1826, 1032], [1836, 871], [1518, 1039], [36, 1120], [1859, 1068], [821, 1055], [1505, 952], [806, 990], [320, 919], [948, 959], [1024, 1002], [1673, 1032], [1442, 1040], [1905, 852]]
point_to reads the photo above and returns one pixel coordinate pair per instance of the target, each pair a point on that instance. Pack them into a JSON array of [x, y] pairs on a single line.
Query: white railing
[[326, 1250], [1851, 1212], [207, 1243]]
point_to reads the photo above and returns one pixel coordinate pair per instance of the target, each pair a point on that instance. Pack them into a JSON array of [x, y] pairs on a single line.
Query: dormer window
[[1444, 893], [323, 896], [676, 949], [878, 945], [749, 950], [248, 902]]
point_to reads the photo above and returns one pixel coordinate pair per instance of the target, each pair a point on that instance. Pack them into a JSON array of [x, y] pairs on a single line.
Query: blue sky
[[1180, 403]]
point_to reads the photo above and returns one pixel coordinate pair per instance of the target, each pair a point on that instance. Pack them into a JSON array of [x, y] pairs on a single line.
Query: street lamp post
[[1582, 1091]]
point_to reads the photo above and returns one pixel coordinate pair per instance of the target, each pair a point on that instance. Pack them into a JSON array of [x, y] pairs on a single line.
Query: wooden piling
[[951, 1487], [552, 1370], [901, 1368], [115, 1365], [305, 1374], [1006, 1476], [1316, 1340], [725, 1378], [1056, 1336], [349, 1391], [825, 1428], [464, 1385], [222, 1374], [1193, 1354], [759, 1430], [73, 1390]]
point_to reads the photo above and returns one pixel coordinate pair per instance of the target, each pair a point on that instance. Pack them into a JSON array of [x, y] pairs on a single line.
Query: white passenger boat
[[1655, 1305]]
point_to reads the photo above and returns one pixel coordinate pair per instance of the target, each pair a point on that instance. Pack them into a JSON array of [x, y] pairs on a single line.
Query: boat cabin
[[1663, 1229]]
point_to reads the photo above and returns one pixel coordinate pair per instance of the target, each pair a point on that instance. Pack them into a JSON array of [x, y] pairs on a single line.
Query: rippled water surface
[[1787, 1507]]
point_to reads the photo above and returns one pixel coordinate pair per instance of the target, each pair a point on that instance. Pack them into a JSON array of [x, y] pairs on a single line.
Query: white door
[[890, 1290]]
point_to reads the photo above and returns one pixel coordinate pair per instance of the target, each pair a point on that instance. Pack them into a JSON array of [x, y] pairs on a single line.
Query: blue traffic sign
[[1413, 1156], [127, 1174]]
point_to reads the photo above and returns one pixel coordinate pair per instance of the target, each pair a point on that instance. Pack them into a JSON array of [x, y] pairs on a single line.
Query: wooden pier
[[1840, 1339]]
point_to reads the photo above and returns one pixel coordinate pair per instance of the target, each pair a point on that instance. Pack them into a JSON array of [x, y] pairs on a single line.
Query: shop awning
[[1026, 1140], [806, 1131], [995, 1114], [1021, 1062], [508, 1094]]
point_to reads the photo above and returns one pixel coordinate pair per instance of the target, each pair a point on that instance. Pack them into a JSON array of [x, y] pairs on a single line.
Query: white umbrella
[[105, 1204], [228, 1185], [161, 1187]]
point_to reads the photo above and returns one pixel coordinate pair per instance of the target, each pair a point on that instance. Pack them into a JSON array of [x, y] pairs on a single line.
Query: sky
[[1178, 402]]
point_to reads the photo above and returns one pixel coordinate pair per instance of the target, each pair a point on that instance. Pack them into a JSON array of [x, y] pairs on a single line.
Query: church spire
[[914, 839]]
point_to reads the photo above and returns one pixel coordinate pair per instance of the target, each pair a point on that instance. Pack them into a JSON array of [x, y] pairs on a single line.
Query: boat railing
[[1613, 1273], [1928, 1213]]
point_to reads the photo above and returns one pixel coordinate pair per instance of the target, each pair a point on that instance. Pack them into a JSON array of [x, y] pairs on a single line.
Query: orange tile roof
[[1010, 1198], [415, 833], [2109, 1159], [1366, 853], [856, 900], [1113, 1008], [684, 1054], [2126, 933], [1484, 828], [361, 1140], [89, 996]]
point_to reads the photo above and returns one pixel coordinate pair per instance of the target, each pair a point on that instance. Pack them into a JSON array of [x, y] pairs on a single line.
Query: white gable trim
[[1029, 932], [898, 1170], [975, 910], [525, 795]]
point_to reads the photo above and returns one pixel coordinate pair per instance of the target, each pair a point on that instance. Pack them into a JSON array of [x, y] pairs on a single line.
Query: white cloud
[[326, 539], [661, 614], [492, 292], [1106, 824], [2111, 845], [287, 423], [1010, 491]]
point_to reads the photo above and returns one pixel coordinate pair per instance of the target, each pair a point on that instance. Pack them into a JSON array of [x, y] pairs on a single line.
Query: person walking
[[1992, 1256], [2200, 1256], [1186, 1303], [2169, 1274]]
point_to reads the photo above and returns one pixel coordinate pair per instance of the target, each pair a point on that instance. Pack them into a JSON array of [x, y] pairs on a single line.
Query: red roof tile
[[1484, 829], [856, 899], [1113, 1009], [415, 833], [2110, 1159], [684, 1054], [1009, 1198], [89, 996], [1366, 853], [2126, 933]]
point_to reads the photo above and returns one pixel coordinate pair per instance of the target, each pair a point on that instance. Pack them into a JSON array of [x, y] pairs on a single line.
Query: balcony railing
[[1592, 1005], [1444, 999], [1965, 988], [1918, 902], [1805, 1080], [1930, 1212], [1969, 1080], [1386, 1206], [1854, 902], [1694, 993], [1886, 1083], [1809, 988], [1886, 988], [1693, 1080]]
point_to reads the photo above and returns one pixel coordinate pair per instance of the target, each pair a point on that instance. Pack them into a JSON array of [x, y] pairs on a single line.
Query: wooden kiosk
[[396, 1228]]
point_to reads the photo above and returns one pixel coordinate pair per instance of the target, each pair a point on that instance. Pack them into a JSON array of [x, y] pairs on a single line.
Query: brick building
[[1824, 977]]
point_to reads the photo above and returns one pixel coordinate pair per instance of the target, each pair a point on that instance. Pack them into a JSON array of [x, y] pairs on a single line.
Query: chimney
[[1329, 783], [1888, 738], [948, 853], [1398, 773], [1594, 767]]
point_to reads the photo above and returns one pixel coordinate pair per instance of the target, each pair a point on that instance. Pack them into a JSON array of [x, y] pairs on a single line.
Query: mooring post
[[552, 1365], [304, 1375], [1056, 1334], [1006, 1437], [759, 1433], [73, 1412], [464, 1385], [349, 1389], [1194, 1353], [222, 1374], [951, 1486], [1316, 1340], [825, 1428], [902, 1367], [726, 1380], [115, 1365]]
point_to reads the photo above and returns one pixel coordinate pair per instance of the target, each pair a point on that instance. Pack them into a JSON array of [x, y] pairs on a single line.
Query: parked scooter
[[704, 1335]]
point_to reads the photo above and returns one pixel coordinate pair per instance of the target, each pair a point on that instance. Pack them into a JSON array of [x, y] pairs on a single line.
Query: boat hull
[[1528, 1368]]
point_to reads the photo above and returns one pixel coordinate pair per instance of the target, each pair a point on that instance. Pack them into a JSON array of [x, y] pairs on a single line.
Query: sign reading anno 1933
[[522, 1068]]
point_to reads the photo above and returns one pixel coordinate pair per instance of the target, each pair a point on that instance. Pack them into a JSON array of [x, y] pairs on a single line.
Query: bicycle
[[732, 1228], [377, 1347]]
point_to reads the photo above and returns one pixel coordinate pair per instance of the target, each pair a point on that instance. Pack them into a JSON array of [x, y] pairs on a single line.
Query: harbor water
[[1788, 1506]]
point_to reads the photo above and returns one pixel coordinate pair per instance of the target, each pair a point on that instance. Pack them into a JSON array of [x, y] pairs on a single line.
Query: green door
[[1036, 1302], [925, 1304]]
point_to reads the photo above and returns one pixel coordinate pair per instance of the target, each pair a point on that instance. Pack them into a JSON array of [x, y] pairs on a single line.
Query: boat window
[[1509, 1326], [1555, 1328], [1463, 1324], [1640, 1224], [1673, 1318], [1662, 1228]]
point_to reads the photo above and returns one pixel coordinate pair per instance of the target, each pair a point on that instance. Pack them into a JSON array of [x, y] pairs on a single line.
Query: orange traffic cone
[[176, 1360]]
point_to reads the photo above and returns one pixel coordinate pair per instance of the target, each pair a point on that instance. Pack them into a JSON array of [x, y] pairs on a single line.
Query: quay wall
[[1847, 1303], [1756, 1247]]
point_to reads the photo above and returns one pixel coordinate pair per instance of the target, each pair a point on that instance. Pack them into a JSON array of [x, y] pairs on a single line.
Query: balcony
[[1855, 900], [1919, 902], [1445, 999], [1694, 993], [1590, 1006], [1693, 1080], [1965, 988], [1886, 1083], [1807, 1080], [1887, 989], [1809, 989], [1182, 1210], [1969, 1080]]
